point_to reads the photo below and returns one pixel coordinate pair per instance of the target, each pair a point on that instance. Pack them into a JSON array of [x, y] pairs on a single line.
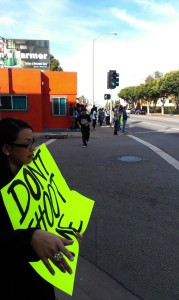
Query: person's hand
[[78, 236], [46, 244]]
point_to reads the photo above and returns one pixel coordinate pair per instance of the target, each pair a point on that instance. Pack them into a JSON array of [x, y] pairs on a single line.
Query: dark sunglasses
[[27, 146]]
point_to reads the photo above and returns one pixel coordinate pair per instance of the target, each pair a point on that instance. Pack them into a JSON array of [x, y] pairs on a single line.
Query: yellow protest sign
[[40, 196]]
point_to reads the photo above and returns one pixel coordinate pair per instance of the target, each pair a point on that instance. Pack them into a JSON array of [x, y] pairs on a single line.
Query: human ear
[[5, 149]]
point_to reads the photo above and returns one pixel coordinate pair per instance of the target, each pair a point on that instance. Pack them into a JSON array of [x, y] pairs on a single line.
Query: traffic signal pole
[[112, 83], [111, 110]]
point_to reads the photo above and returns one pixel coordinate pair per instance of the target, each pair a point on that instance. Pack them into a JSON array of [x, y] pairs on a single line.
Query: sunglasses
[[27, 146]]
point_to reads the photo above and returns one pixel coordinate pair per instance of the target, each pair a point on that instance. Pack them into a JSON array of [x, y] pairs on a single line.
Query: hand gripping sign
[[40, 196]]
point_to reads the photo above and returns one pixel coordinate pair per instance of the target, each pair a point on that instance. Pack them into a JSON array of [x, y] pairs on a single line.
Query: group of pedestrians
[[81, 118], [74, 111]]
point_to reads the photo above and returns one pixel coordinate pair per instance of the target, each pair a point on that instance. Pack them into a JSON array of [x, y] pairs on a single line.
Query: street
[[133, 232]]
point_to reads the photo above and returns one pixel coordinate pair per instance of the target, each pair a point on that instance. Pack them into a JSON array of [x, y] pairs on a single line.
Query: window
[[13, 102], [59, 106]]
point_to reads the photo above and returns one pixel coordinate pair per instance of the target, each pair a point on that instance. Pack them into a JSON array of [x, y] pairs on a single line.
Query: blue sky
[[146, 40]]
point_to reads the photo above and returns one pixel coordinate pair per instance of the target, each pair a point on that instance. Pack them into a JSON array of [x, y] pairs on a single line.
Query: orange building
[[42, 98]]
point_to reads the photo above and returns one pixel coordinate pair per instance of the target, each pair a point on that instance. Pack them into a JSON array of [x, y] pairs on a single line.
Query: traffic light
[[117, 79], [112, 79], [107, 96]]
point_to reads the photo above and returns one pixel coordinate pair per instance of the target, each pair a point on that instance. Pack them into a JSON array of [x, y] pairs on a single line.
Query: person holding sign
[[18, 280]]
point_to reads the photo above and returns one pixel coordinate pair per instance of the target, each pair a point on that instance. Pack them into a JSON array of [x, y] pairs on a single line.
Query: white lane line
[[155, 131], [148, 131], [154, 124], [47, 143], [175, 129], [164, 126], [173, 162], [50, 141]]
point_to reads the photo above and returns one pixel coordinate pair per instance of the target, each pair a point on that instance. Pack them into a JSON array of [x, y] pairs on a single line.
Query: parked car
[[138, 111], [133, 110]]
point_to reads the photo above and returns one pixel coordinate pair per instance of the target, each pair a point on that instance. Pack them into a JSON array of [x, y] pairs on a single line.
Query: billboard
[[28, 54]]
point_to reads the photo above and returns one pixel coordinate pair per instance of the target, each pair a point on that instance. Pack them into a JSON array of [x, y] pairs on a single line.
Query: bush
[[169, 110]]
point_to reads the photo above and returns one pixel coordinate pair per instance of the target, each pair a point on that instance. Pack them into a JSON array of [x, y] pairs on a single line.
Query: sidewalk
[[93, 284]]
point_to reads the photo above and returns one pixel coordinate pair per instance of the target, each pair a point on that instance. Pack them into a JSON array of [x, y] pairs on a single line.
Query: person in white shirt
[[94, 115]]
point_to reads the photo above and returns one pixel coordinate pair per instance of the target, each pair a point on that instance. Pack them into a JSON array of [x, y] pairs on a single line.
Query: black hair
[[10, 128]]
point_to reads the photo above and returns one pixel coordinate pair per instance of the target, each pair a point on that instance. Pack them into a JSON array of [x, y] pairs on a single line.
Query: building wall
[[40, 87], [58, 84]]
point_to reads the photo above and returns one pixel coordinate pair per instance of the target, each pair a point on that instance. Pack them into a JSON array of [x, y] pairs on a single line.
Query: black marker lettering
[[11, 190], [52, 182], [36, 194]]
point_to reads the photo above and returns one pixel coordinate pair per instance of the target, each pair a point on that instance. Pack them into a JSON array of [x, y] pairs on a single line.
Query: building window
[[13, 102], [59, 106]]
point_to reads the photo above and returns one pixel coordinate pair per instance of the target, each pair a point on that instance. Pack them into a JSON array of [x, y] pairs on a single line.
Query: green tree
[[54, 64], [169, 86], [154, 91], [157, 86], [128, 94], [158, 74], [149, 79]]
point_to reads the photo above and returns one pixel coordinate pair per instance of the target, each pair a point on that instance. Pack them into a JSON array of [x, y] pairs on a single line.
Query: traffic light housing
[[112, 79], [107, 96]]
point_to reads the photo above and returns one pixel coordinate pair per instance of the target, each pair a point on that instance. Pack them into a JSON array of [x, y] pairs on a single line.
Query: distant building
[[41, 98]]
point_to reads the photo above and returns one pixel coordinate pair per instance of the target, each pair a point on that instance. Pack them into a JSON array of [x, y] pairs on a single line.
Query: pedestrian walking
[[94, 115], [116, 119], [72, 116], [84, 121], [100, 116], [120, 117], [124, 120], [107, 117]]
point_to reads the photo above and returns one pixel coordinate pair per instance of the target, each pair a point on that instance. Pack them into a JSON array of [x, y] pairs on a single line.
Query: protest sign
[[39, 196]]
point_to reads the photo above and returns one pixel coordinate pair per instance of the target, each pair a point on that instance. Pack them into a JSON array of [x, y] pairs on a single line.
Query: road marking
[[154, 131], [173, 162], [168, 129], [50, 141], [148, 131], [164, 126], [154, 124]]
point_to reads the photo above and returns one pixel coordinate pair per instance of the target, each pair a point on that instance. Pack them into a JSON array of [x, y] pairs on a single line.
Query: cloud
[[132, 21], [159, 8], [146, 40], [7, 21]]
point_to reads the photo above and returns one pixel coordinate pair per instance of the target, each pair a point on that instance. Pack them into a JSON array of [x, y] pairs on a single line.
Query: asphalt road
[[133, 232]]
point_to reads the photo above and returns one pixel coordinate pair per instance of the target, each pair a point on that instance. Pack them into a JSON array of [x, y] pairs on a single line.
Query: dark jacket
[[124, 114], [84, 119], [18, 280]]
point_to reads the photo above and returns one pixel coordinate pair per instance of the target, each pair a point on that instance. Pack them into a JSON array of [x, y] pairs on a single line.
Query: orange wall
[[25, 81], [64, 83], [4, 81], [40, 88], [58, 84]]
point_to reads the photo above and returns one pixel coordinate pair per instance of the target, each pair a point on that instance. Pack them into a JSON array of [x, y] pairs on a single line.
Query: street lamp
[[114, 33]]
